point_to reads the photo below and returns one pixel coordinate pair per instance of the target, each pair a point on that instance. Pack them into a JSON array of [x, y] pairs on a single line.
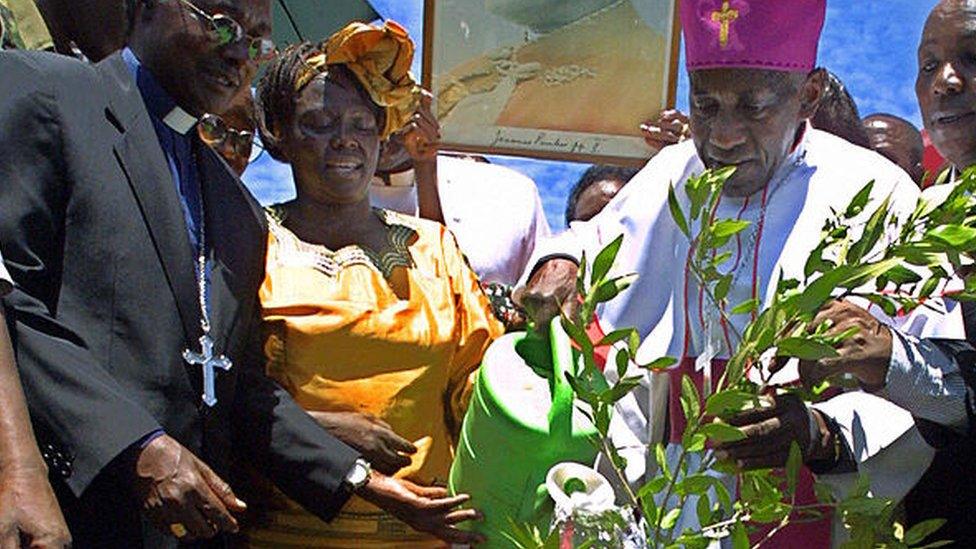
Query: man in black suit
[[133, 248]]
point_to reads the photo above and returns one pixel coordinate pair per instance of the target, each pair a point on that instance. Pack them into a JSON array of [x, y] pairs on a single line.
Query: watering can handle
[[561, 412]]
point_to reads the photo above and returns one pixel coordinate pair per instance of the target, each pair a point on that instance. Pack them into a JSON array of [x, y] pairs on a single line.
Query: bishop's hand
[[181, 495], [425, 509], [551, 289], [386, 451]]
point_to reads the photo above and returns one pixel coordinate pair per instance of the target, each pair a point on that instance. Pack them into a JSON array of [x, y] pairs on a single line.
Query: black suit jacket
[[93, 234]]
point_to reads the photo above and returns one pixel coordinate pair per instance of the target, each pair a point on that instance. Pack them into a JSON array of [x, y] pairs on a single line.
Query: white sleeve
[[634, 211], [884, 441], [6, 284]]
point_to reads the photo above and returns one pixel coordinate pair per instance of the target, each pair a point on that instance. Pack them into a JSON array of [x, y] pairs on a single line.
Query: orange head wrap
[[380, 57]]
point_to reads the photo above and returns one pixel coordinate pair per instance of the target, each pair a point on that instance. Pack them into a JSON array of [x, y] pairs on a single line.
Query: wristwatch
[[358, 476]]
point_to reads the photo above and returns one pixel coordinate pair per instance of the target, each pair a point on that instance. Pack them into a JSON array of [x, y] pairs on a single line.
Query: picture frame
[[537, 78]]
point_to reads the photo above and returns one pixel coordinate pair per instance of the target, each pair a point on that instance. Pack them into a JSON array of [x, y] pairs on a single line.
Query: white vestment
[[824, 172], [494, 212]]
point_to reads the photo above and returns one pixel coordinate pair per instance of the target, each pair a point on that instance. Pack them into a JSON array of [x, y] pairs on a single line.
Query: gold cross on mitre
[[724, 17]]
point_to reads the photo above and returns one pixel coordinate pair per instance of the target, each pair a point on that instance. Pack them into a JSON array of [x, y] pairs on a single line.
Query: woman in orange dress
[[374, 321]]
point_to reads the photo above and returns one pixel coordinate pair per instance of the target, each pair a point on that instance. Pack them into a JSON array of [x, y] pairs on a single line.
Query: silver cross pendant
[[206, 360]]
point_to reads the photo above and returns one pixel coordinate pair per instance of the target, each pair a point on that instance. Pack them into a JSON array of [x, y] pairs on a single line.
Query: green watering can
[[518, 425]]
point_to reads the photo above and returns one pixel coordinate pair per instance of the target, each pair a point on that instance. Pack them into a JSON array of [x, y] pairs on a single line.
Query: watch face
[[359, 474]]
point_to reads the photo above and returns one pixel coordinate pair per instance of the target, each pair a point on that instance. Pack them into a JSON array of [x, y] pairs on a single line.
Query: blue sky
[[869, 44]]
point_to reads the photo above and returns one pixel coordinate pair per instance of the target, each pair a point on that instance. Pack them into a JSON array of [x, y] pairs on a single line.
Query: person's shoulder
[[425, 228], [417, 232], [491, 177], [668, 166], [42, 68], [850, 164]]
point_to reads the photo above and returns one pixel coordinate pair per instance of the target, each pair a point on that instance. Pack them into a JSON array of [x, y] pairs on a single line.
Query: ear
[[812, 92]]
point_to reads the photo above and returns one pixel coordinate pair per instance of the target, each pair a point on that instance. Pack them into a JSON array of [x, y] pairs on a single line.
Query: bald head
[[898, 140], [946, 80]]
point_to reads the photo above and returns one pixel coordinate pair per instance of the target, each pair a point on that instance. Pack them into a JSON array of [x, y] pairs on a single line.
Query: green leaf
[[872, 232], [704, 510], [823, 491], [660, 363], [729, 227], [604, 260], [662, 461], [884, 303], [793, 464], [722, 287], [724, 402], [745, 307], [917, 534], [694, 485], [633, 344], [609, 289], [577, 334], [676, 213], [722, 432], [899, 274], [859, 201], [690, 400], [740, 537], [615, 336], [623, 362], [654, 486], [623, 388], [723, 494], [581, 276], [694, 442], [670, 519], [804, 349], [960, 237]]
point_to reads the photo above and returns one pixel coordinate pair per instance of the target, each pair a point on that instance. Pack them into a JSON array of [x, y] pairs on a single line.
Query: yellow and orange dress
[[396, 335]]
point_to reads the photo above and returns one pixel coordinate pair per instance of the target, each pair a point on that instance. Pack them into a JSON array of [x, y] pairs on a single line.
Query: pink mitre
[[752, 34]]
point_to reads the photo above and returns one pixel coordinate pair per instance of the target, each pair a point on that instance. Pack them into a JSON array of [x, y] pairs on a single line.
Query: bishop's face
[[946, 81], [750, 119]]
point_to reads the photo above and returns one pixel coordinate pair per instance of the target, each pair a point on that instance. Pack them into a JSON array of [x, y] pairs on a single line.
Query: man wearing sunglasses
[[232, 133], [137, 256]]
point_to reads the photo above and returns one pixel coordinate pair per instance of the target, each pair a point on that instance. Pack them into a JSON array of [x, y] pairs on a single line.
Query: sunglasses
[[226, 30], [215, 133]]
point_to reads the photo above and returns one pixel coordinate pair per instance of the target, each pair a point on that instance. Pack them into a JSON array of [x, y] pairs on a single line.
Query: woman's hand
[[425, 509], [385, 450]]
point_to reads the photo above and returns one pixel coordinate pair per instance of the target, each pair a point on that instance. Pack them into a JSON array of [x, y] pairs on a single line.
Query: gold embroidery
[[291, 248], [725, 17]]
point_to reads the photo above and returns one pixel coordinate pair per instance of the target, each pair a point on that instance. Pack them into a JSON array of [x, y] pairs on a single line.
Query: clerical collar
[[158, 102]]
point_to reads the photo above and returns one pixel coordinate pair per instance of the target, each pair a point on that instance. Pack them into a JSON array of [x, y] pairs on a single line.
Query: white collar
[[180, 121]]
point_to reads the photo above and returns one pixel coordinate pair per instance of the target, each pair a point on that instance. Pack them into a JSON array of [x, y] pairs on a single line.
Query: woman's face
[[333, 142]]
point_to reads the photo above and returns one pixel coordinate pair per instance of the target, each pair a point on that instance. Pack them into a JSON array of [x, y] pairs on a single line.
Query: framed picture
[[558, 79]]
